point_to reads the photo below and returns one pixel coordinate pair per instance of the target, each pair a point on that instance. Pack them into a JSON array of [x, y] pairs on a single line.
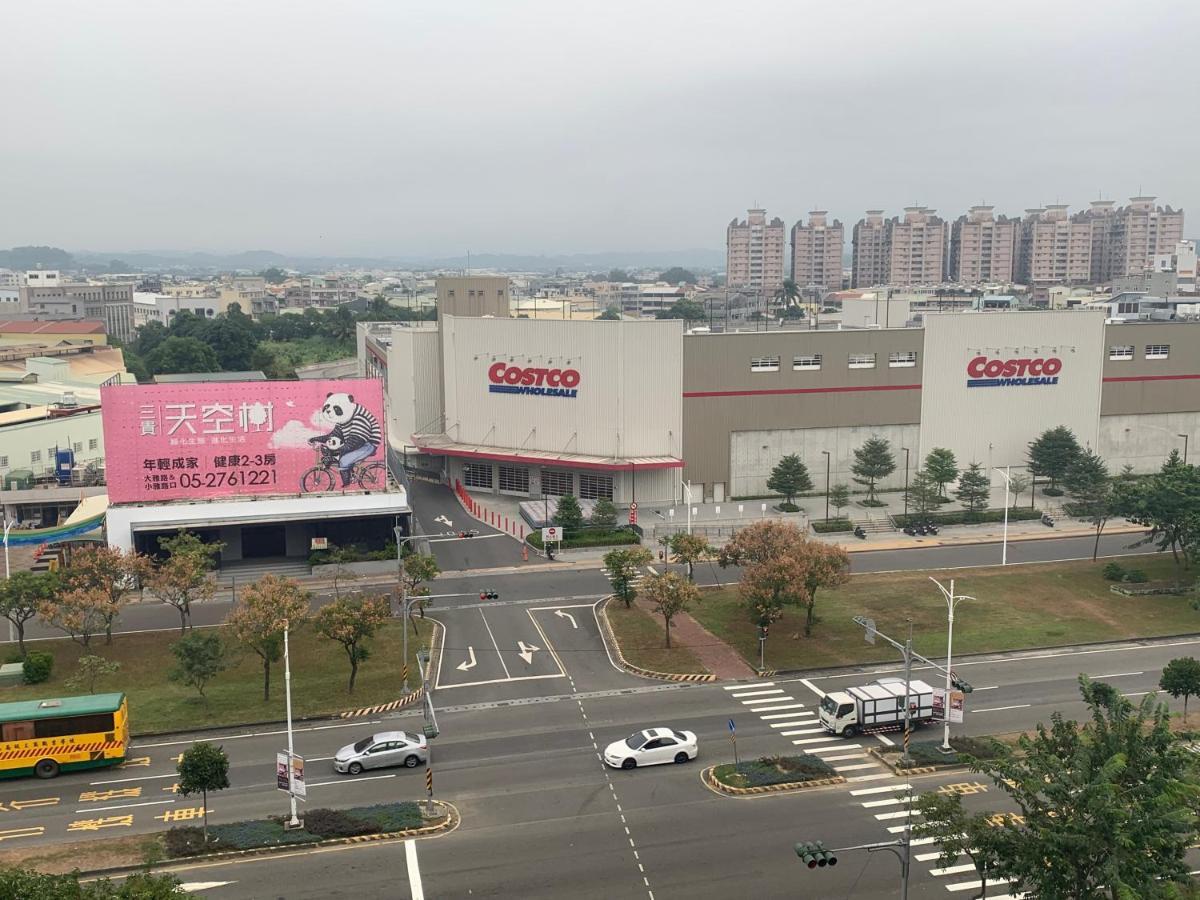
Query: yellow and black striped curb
[[711, 780], [915, 770], [611, 639], [767, 673], [410, 697]]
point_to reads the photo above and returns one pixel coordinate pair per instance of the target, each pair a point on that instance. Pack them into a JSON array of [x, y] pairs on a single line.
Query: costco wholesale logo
[[984, 372], [506, 379]]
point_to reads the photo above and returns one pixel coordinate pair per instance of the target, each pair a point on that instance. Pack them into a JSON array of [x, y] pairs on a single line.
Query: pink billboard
[[224, 439]]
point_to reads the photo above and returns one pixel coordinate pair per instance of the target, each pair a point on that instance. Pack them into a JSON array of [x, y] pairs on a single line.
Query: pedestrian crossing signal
[[814, 855]]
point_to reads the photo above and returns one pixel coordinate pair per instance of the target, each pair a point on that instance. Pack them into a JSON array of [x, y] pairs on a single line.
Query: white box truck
[[876, 705]]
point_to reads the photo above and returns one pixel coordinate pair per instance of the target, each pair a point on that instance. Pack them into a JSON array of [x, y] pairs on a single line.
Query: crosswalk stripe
[[780, 706], [890, 801], [847, 756], [974, 885], [902, 814], [750, 701], [833, 748], [809, 721], [852, 768], [820, 740], [757, 693], [801, 731], [919, 842], [879, 790], [926, 857], [953, 870], [742, 687], [858, 778], [784, 715]]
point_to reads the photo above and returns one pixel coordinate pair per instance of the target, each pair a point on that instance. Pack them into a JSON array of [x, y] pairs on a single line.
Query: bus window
[[68, 725], [16, 731]]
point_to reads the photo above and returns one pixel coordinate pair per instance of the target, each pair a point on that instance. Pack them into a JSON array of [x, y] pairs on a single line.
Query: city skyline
[[178, 132]]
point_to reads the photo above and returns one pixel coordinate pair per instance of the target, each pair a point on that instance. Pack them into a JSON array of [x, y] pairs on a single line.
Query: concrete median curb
[[711, 781], [878, 753], [409, 698], [610, 638]]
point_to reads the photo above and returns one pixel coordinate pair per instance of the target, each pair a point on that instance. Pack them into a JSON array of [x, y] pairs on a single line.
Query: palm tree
[[787, 293]]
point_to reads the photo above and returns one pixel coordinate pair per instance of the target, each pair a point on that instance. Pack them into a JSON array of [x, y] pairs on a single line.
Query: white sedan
[[651, 747]]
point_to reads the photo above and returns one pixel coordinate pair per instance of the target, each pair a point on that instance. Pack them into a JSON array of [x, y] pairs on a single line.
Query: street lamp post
[[294, 822], [1185, 443], [8, 524], [827, 462], [905, 449], [687, 486], [1006, 472], [952, 601]]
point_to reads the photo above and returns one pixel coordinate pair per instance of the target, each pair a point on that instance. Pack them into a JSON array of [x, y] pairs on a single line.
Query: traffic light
[[814, 855], [762, 632], [961, 685], [489, 595]]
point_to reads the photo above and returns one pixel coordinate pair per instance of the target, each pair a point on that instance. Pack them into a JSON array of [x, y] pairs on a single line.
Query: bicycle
[[324, 476]]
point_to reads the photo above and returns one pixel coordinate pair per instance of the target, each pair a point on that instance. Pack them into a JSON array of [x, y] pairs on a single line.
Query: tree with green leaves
[[688, 549], [942, 468], [604, 515], [203, 767], [624, 566], [185, 576], [266, 608], [677, 275], [22, 595], [274, 275], [1091, 490], [670, 595], [340, 558], [688, 310], [89, 669], [1052, 455], [110, 574], [612, 313], [1017, 485], [1181, 678], [182, 354], [567, 515], [618, 275], [351, 622], [789, 477], [924, 494], [200, 656], [839, 498], [417, 571], [1168, 503], [27, 884], [959, 833], [233, 344], [974, 490], [787, 294], [873, 461]]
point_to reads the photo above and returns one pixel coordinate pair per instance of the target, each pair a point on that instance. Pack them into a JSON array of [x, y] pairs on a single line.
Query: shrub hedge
[[833, 525], [589, 539], [962, 517], [774, 770], [36, 667]]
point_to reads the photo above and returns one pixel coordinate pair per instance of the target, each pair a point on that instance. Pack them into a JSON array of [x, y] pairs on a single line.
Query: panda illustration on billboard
[[353, 437]]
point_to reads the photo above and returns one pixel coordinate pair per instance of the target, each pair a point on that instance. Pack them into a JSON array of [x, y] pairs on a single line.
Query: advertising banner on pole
[[282, 780], [228, 439], [939, 704], [951, 706], [298, 786], [957, 704]]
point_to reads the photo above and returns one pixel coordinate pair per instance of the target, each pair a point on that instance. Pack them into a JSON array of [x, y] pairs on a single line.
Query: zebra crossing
[[798, 723], [891, 803]]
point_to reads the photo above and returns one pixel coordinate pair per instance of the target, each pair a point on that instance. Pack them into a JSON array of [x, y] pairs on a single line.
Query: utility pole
[[294, 822], [952, 601]]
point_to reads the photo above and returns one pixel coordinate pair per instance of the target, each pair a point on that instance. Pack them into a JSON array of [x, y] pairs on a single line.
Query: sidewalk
[[714, 654]]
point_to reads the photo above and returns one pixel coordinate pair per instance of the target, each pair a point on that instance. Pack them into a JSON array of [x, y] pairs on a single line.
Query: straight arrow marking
[[526, 652]]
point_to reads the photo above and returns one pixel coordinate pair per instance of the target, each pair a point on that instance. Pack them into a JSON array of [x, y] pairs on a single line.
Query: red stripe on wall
[[1152, 378], [825, 390]]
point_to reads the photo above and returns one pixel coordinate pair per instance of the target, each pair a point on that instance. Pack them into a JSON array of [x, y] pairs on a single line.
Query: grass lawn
[[320, 673], [1017, 607], [641, 638]]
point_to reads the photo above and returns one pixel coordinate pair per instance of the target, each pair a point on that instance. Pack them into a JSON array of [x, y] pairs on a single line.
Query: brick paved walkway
[[714, 654]]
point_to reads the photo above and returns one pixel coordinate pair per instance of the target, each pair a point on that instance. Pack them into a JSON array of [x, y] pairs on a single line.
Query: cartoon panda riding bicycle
[[354, 436]]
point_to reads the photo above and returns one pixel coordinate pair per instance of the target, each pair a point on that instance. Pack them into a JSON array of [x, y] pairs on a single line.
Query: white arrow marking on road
[[527, 651], [463, 666], [192, 886], [566, 615], [444, 521]]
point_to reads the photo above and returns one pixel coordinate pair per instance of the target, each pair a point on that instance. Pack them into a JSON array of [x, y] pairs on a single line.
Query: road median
[[770, 775], [637, 634]]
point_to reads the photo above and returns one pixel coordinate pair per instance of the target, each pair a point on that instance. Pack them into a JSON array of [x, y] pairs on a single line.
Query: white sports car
[[651, 747]]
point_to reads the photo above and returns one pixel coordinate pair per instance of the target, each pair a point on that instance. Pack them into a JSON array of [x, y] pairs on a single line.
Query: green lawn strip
[[1017, 607], [641, 637], [101, 853], [320, 673], [773, 770]]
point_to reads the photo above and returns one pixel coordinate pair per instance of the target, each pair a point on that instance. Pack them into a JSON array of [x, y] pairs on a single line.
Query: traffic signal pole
[[815, 855]]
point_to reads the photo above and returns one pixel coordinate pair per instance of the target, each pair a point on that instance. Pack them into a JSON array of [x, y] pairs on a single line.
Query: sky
[[404, 128]]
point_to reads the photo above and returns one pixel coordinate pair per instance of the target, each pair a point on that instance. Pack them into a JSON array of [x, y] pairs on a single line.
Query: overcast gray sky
[[402, 127]]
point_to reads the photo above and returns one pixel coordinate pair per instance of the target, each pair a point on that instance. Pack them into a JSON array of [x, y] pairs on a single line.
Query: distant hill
[[23, 258]]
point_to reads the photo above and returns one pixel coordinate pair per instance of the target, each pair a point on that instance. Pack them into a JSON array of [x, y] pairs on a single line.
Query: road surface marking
[[139, 778], [879, 790], [890, 801], [847, 756], [926, 857], [990, 687], [816, 690], [549, 646], [494, 644], [780, 706], [742, 687], [351, 779], [192, 887], [886, 741], [233, 737], [954, 870], [751, 702], [801, 731], [1134, 694], [414, 870], [830, 738], [758, 693], [852, 768], [808, 721], [974, 885], [858, 778], [833, 748], [903, 814], [783, 715], [88, 809], [1116, 675], [1003, 708], [467, 663]]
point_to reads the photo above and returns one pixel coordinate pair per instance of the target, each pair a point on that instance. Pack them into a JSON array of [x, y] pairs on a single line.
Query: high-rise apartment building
[[870, 260], [916, 247], [982, 247], [1140, 232], [817, 252], [1053, 249], [754, 250]]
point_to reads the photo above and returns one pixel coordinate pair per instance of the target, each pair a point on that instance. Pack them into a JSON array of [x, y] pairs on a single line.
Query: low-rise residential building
[[15, 332]]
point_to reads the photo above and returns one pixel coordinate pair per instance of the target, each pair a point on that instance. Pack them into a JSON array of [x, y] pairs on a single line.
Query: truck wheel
[[849, 731]]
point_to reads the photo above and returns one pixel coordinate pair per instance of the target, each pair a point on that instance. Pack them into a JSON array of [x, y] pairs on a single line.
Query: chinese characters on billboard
[[202, 440]]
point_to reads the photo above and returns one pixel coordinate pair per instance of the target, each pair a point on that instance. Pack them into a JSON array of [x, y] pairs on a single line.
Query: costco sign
[[509, 379], [983, 371]]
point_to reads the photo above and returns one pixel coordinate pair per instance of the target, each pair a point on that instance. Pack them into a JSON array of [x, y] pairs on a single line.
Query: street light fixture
[[827, 463], [1006, 473], [952, 600]]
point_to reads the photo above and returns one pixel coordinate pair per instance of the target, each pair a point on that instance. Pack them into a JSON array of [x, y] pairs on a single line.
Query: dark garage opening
[[263, 540]]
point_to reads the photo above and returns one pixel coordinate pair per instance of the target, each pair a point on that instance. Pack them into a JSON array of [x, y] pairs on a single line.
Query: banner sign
[[282, 781], [954, 708], [229, 439]]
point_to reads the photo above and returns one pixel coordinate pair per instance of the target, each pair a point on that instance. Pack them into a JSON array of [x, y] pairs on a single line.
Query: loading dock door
[[259, 541]]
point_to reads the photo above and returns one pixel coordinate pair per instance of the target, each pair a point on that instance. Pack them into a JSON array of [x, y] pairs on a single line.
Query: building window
[[556, 483], [1158, 351], [51, 452], [862, 360], [902, 359], [764, 364], [595, 487], [1120, 351], [3, 462], [1127, 308], [811, 361], [93, 443], [514, 479], [77, 447], [35, 456], [477, 475]]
